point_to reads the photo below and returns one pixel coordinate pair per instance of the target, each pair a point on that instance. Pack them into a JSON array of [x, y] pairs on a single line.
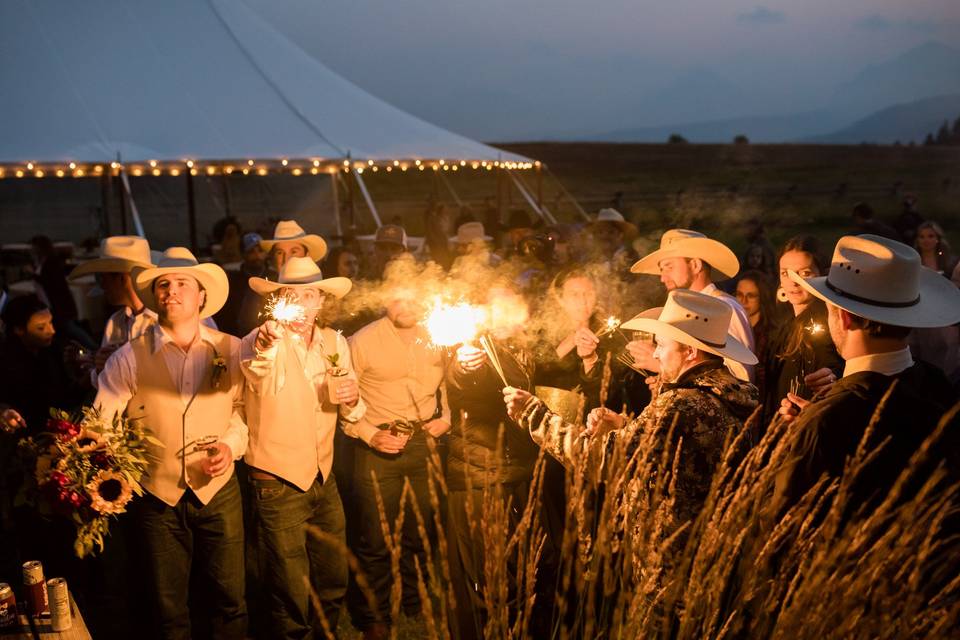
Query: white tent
[[169, 81]]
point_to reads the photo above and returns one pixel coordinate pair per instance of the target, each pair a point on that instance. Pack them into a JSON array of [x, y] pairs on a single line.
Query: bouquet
[[87, 470]]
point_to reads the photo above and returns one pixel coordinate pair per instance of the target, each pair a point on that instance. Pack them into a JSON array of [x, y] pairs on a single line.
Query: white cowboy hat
[[211, 277], [118, 254], [287, 230], [613, 216], [683, 243], [883, 280], [470, 232], [697, 320], [302, 273]]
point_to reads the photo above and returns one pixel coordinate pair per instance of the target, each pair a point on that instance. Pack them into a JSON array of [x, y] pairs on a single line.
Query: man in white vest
[[183, 381], [689, 260], [300, 379]]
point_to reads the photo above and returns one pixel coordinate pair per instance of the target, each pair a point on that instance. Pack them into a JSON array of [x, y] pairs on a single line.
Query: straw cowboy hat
[[118, 254], [211, 277], [883, 280], [683, 243], [302, 273], [287, 230], [470, 232], [612, 216], [697, 320]]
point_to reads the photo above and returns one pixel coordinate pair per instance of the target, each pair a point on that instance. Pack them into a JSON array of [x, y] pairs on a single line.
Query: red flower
[[59, 479], [63, 429], [101, 460]]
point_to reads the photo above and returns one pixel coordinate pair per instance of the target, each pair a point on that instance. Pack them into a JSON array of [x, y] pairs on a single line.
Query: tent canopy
[[174, 80]]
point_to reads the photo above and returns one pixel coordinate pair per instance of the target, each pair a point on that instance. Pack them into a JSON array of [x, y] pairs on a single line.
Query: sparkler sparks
[[612, 324], [453, 324], [285, 310], [815, 328]]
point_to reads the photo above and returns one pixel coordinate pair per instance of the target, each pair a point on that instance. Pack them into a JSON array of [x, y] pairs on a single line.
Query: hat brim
[[938, 305], [733, 349], [483, 238], [316, 246], [714, 253], [337, 286], [211, 277], [106, 265], [627, 228]]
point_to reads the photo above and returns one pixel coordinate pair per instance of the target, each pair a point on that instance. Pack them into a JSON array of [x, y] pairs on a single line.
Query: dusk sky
[[516, 69]]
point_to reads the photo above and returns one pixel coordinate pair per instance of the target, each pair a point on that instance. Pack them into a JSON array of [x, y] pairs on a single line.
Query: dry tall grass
[[629, 569]]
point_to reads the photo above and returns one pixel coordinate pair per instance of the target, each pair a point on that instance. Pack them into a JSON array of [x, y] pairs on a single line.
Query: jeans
[[293, 561], [371, 549], [207, 539]]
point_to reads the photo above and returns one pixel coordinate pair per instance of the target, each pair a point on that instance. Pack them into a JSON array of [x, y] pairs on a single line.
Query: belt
[[403, 427]]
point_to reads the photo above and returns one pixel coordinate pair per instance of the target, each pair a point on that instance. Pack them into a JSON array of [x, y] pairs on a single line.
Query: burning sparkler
[[814, 328], [285, 310], [460, 323], [612, 324]]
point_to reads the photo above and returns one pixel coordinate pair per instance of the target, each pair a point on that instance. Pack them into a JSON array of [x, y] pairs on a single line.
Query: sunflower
[[109, 493]]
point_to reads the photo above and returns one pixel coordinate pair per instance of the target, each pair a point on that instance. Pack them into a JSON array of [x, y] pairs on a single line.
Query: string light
[[98, 169], [284, 162], [250, 163], [228, 170], [174, 171], [261, 171], [114, 165], [315, 171], [72, 165], [138, 171], [59, 173], [153, 163], [389, 168], [78, 173], [29, 166], [193, 172], [189, 164], [211, 170], [396, 163], [38, 173], [416, 162], [297, 172], [246, 171], [19, 173]]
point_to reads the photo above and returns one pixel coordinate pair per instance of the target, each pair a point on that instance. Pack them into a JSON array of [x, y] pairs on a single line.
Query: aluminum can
[[35, 588], [8, 606], [59, 596]]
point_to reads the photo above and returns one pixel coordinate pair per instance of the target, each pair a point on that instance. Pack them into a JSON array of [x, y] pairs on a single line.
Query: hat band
[[877, 303]]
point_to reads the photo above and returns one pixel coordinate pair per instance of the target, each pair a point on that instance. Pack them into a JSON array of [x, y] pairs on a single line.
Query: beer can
[[60, 618], [35, 588], [8, 606]]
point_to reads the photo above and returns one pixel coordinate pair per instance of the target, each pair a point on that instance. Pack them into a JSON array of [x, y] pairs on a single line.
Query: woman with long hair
[[939, 346], [801, 358], [756, 293], [934, 250]]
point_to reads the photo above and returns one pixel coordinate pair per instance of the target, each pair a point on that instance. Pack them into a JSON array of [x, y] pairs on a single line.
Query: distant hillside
[[903, 122], [756, 128]]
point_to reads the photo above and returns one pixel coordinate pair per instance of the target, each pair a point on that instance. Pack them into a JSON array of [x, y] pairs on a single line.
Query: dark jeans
[[293, 561], [371, 549], [205, 538]]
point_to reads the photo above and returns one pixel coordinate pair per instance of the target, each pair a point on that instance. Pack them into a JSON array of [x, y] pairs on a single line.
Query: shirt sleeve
[[257, 366], [117, 383], [349, 414], [237, 434], [359, 428]]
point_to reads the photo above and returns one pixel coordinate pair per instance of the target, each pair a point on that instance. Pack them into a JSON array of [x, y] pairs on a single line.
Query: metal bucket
[[562, 402]]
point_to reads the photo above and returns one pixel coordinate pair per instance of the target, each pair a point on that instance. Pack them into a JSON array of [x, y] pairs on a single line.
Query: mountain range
[[900, 99]]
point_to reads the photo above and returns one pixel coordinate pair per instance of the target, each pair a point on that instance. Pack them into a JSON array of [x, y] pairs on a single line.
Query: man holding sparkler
[[183, 381], [300, 380], [688, 260], [699, 402], [401, 380]]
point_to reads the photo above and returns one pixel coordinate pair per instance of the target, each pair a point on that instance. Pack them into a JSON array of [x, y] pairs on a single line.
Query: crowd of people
[[303, 438]]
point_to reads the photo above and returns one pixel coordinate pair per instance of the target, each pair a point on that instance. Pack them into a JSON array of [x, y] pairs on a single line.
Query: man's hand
[[11, 421], [642, 353], [348, 392], [268, 335], [602, 420], [385, 442], [587, 342], [516, 400], [436, 427], [219, 457], [653, 383], [791, 406], [102, 355], [819, 379], [470, 359]]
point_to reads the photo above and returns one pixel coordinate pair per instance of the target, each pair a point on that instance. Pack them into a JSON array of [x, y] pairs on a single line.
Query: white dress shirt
[[889, 364]]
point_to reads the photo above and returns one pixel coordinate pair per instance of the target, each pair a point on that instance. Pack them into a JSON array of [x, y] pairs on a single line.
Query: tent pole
[[122, 194], [191, 211], [540, 211], [335, 195], [500, 195], [366, 196], [539, 187], [105, 203], [456, 198]]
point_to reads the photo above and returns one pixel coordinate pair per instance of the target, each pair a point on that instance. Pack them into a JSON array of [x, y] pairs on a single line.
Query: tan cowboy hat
[[683, 243], [211, 277], [697, 320], [612, 216], [287, 230], [302, 273], [883, 280], [470, 232], [118, 254]]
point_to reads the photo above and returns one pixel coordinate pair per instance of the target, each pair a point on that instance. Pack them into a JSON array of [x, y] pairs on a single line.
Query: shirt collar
[[709, 289], [889, 364], [162, 338]]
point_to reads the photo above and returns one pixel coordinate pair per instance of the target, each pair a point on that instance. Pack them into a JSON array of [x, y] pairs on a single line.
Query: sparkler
[[814, 328], [609, 326], [285, 310], [460, 323]]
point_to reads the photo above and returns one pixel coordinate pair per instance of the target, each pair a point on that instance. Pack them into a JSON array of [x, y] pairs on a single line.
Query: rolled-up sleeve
[[117, 383], [237, 434]]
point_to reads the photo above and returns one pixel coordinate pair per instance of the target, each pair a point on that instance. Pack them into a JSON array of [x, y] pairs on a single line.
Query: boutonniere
[[217, 367]]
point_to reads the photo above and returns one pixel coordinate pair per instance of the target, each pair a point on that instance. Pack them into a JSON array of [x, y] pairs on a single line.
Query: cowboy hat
[[211, 277], [118, 254], [470, 232], [697, 320], [614, 217], [883, 280], [683, 243], [302, 273], [287, 230]]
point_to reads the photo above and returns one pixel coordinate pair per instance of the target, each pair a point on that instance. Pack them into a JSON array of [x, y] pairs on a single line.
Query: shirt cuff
[[235, 442], [365, 432]]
